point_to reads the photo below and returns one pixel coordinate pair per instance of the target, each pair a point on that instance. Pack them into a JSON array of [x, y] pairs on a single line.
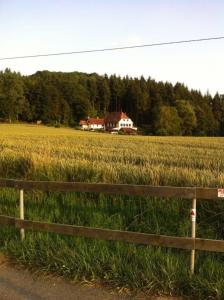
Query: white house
[[115, 121]]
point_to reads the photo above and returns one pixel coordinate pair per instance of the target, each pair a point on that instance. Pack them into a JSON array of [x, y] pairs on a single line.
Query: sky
[[47, 26]]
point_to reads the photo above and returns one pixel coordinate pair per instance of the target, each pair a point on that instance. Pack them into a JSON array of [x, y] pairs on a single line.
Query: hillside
[[64, 98]]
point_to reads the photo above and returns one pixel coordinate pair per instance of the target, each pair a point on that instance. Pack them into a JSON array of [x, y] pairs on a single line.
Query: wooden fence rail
[[190, 243], [122, 189]]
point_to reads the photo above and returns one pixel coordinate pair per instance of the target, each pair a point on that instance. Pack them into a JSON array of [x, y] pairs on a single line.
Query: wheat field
[[45, 153]]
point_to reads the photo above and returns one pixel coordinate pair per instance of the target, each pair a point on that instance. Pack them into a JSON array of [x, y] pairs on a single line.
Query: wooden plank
[[207, 193], [8, 183], [122, 189], [125, 236], [209, 245], [117, 235], [5, 220], [107, 234]]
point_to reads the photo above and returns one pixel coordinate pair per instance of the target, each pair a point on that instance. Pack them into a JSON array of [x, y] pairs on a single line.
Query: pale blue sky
[[32, 27]]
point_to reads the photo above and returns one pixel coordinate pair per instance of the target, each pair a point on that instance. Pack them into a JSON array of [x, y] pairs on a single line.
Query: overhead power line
[[114, 48]]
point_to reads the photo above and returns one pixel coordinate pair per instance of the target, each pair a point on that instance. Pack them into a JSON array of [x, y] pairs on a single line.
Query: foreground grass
[[60, 154]]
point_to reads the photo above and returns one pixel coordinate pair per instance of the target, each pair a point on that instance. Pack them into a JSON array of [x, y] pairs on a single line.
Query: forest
[[62, 99]]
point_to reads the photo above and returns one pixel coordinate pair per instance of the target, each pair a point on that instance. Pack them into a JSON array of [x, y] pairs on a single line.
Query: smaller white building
[[92, 124]]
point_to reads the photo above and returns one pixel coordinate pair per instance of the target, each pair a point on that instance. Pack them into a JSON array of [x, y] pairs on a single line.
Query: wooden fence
[[191, 243]]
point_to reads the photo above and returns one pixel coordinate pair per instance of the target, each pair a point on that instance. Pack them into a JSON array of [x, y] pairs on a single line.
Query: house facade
[[118, 120], [92, 124]]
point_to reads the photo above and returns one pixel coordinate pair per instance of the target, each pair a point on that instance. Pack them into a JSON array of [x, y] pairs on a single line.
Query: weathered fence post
[[193, 233], [21, 212]]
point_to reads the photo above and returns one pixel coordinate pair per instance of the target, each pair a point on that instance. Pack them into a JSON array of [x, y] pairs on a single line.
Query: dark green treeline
[[64, 98]]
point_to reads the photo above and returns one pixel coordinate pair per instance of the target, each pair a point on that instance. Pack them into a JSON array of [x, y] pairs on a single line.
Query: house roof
[[92, 121], [114, 117], [95, 121]]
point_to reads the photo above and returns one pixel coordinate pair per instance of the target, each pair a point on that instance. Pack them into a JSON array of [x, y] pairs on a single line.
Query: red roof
[[92, 121], [114, 117], [95, 121]]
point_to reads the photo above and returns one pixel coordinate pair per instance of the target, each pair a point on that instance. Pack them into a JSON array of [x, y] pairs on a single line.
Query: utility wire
[[114, 48]]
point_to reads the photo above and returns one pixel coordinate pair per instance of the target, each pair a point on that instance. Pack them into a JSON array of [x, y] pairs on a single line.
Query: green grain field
[[44, 153]]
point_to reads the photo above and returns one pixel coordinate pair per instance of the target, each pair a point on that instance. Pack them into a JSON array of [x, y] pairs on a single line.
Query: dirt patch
[[16, 282]]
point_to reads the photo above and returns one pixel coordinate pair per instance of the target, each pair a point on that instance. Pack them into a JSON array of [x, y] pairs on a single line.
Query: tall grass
[[41, 153]]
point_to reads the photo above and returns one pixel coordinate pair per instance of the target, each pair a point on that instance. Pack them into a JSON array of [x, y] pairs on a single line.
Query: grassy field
[[44, 153]]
